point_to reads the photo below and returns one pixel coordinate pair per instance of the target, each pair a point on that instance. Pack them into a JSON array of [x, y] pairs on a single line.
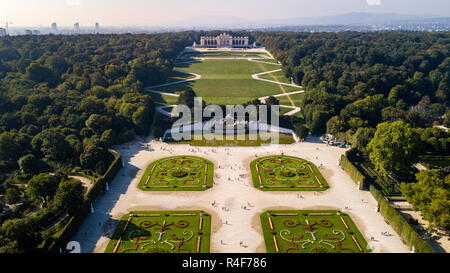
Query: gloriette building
[[224, 40]]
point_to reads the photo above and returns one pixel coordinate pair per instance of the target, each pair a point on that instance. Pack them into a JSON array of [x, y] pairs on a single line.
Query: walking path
[[233, 189], [294, 111], [254, 76]]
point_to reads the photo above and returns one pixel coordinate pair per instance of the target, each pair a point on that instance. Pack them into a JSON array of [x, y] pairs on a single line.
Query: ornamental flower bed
[[311, 231], [178, 173], [286, 173], [164, 231]]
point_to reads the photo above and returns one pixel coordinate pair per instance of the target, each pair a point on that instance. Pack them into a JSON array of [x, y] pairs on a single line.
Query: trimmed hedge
[[400, 225], [65, 234], [353, 172]]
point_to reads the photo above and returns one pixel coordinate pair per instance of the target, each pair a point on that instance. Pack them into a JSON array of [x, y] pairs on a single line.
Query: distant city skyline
[[168, 13]]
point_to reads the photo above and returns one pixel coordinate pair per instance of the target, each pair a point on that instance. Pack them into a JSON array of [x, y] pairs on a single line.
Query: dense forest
[[354, 80], [64, 101]]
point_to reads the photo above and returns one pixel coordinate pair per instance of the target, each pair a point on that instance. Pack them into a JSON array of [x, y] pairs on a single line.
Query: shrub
[[287, 173], [353, 172], [179, 173], [12, 195], [400, 225]]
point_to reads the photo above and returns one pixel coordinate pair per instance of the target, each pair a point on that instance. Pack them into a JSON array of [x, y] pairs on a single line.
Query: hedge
[[63, 236], [400, 225], [353, 172]]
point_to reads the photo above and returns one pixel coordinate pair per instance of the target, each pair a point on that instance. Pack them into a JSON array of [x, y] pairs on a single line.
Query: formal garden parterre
[[286, 173], [178, 173], [311, 231], [162, 232]]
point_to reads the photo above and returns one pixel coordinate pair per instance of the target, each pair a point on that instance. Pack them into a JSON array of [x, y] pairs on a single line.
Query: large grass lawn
[[178, 173], [286, 173], [227, 81], [311, 231], [162, 232]]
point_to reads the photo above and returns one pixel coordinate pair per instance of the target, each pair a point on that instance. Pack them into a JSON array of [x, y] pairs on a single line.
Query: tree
[[12, 195], [23, 231], [9, 246], [42, 187], [394, 148], [69, 196], [301, 131], [93, 153], [51, 144], [98, 123], [38, 73], [57, 64], [335, 125], [12, 146], [447, 119], [362, 137], [186, 98], [272, 101], [29, 164], [431, 196], [141, 118]]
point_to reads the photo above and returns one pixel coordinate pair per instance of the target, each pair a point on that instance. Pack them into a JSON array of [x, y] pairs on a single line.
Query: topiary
[[287, 173], [179, 173]]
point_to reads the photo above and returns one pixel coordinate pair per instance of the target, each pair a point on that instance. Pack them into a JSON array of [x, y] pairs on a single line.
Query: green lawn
[[311, 231], [276, 76], [164, 99], [283, 139], [297, 98], [178, 173], [286, 173], [178, 76], [162, 232], [227, 81]]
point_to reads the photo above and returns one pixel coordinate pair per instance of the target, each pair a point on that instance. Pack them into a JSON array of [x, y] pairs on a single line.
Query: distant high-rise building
[[2, 32], [76, 27], [54, 28], [97, 27], [28, 32]]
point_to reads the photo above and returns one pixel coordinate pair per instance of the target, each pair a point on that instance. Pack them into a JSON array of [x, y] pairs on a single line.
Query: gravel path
[[233, 225]]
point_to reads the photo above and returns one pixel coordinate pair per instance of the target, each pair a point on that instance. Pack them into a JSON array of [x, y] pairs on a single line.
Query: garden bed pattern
[[311, 231], [178, 173], [162, 232], [286, 173]]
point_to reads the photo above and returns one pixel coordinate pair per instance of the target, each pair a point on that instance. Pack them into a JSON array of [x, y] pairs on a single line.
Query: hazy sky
[[157, 12]]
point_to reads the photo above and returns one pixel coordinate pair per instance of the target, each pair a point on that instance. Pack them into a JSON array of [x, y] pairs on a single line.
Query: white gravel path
[[243, 225]]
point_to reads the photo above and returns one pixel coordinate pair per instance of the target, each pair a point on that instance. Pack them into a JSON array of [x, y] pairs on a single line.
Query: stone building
[[224, 40]]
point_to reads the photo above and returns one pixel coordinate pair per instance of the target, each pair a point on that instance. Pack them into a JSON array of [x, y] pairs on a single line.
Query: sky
[[163, 12]]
